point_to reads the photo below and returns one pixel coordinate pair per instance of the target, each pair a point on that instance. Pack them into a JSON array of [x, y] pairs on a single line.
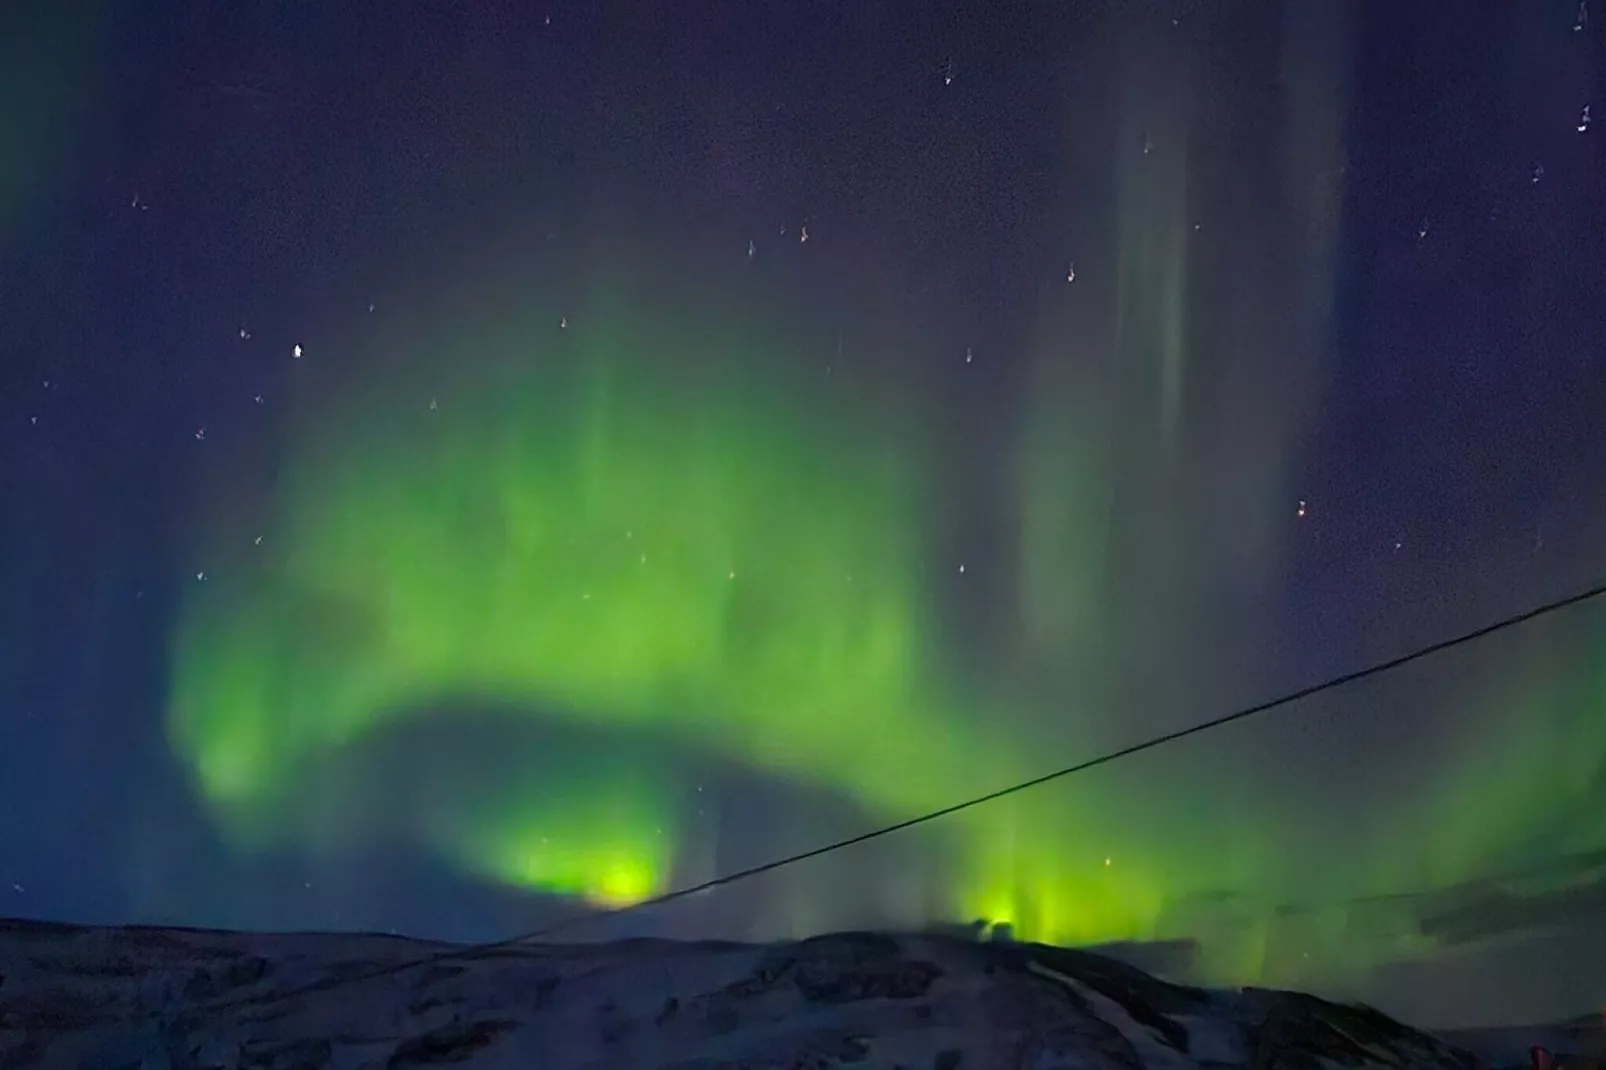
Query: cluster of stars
[[802, 239], [243, 332]]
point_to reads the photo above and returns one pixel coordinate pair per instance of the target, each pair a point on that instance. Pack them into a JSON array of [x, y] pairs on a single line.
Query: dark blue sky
[[171, 173]]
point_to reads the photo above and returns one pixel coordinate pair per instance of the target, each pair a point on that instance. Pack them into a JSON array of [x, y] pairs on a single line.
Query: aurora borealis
[[616, 528], [485, 469], [577, 537]]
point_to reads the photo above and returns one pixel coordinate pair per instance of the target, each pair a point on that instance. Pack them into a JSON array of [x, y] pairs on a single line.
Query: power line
[[1288, 699]]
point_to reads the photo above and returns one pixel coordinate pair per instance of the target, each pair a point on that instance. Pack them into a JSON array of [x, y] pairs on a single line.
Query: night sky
[[466, 465]]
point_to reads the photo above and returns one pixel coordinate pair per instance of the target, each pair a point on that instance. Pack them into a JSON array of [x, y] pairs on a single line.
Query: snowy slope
[[171, 999]]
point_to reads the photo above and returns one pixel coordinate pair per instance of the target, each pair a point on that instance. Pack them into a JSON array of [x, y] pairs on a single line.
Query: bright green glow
[[609, 840], [1065, 897]]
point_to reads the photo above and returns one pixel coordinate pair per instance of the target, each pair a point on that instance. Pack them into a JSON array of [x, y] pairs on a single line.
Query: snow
[[173, 999]]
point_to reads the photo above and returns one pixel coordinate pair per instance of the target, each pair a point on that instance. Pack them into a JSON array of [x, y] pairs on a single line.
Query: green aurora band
[[569, 535]]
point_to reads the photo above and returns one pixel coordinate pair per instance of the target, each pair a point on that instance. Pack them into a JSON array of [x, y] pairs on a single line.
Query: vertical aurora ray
[[1152, 473]]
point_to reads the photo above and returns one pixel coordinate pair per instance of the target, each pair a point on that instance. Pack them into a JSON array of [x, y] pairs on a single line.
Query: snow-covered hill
[[173, 999]]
